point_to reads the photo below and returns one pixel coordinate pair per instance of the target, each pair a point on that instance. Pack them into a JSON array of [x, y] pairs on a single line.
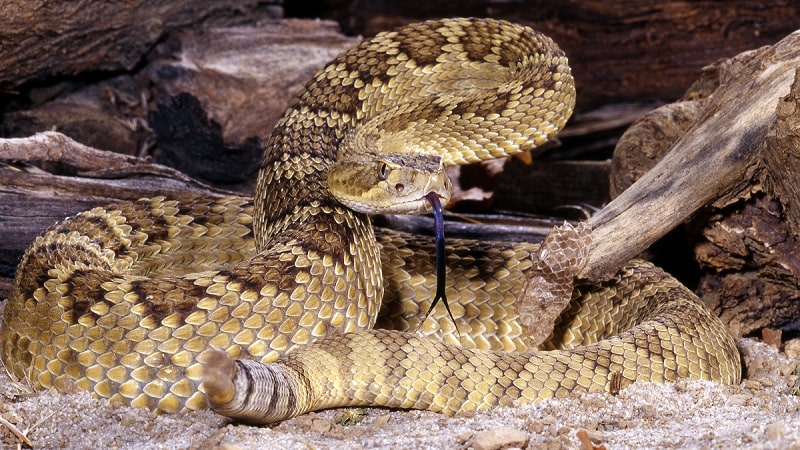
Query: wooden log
[[108, 115], [743, 247], [245, 77], [204, 104], [751, 262], [719, 155], [750, 245], [49, 38]]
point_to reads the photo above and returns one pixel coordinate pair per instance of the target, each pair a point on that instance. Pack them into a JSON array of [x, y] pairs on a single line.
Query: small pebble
[[738, 400], [649, 412], [792, 348], [320, 426], [464, 437], [304, 421], [383, 419], [230, 447], [774, 430], [536, 427], [127, 420], [595, 402], [751, 384], [500, 438]]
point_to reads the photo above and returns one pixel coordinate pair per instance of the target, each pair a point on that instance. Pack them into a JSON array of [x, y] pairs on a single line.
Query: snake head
[[390, 183]]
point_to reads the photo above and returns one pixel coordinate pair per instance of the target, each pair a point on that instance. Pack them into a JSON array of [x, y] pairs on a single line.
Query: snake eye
[[384, 172]]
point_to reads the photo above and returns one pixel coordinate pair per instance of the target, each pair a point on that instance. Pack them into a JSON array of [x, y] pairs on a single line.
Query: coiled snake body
[[125, 301]]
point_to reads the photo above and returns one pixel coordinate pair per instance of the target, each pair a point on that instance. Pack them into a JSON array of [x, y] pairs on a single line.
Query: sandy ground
[[759, 413]]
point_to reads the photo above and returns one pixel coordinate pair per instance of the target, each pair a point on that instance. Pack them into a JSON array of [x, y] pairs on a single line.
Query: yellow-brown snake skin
[[126, 301]]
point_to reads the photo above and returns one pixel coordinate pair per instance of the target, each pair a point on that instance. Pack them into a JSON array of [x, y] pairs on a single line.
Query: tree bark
[[745, 237], [42, 39], [719, 155]]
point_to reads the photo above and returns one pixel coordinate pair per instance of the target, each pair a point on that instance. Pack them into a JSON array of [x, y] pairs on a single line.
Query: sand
[[759, 413]]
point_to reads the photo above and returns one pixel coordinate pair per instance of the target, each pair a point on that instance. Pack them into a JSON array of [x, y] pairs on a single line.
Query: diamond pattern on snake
[[155, 302]]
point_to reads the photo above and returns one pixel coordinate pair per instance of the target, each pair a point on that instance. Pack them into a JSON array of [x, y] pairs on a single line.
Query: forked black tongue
[[441, 263]]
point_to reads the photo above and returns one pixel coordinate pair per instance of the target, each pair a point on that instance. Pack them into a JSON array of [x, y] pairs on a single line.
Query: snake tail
[[671, 336], [255, 393]]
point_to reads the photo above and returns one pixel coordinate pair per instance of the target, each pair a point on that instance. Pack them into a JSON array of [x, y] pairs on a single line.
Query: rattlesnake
[[126, 301]]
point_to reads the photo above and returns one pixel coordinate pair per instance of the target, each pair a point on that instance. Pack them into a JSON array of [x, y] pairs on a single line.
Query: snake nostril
[[399, 187]]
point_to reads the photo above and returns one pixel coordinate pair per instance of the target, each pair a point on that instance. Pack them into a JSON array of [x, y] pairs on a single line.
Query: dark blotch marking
[[95, 228], [275, 395], [106, 237], [544, 79], [530, 42], [158, 307], [326, 95], [79, 308], [243, 369], [484, 106], [403, 121], [338, 237], [249, 280], [189, 305], [477, 39], [369, 64], [421, 42], [297, 139], [159, 230], [85, 291], [198, 211]]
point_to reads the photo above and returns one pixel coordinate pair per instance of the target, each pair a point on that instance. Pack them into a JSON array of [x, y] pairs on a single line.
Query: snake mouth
[[435, 201], [433, 197], [427, 204], [438, 190]]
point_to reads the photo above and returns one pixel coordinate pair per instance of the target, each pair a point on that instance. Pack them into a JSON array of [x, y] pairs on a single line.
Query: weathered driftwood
[[107, 115], [751, 262], [246, 76], [42, 39], [744, 237], [242, 78], [721, 154], [208, 98]]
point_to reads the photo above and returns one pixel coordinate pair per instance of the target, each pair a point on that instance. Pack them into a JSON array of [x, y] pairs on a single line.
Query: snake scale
[[133, 301]]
